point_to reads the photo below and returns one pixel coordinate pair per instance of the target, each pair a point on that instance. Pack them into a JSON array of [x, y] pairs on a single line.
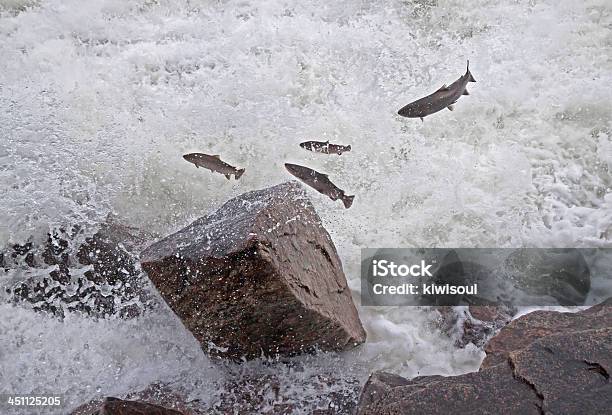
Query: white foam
[[101, 99]]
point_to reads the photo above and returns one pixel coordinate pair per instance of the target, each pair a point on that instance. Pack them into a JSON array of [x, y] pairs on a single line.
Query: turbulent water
[[99, 100]]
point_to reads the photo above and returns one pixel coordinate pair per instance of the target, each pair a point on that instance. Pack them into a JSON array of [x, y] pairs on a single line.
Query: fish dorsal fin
[[327, 142], [216, 156], [443, 88]]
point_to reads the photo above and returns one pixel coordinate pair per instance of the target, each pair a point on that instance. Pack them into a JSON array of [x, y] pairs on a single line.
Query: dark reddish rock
[[97, 275], [490, 314], [495, 392], [378, 386], [550, 362], [114, 406], [260, 276], [152, 397], [482, 323], [523, 331], [569, 372]]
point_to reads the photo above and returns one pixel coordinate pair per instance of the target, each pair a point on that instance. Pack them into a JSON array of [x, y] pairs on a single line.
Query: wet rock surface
[[271, 394], [251, 392], [521, 332], [114, 406], [495, 391], [473, 324], [156, 397], [260, 276], [97, 275], [543, 362], [482, 323], [562, 274]]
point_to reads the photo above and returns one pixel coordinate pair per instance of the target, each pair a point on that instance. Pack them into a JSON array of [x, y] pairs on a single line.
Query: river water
[[99, 100]]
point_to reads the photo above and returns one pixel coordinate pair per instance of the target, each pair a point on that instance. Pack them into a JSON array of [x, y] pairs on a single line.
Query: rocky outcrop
[[523, 331], [494, 392], [260, 276], [543, 362], [97, 275]]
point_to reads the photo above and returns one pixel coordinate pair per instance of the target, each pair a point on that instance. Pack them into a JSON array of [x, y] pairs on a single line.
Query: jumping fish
[[214, 164], [444, 97], [325, 147], [320, 182]]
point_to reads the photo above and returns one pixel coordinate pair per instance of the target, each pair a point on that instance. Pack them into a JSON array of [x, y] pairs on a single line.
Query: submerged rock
[[260, 276], [97, 275], [543, 362], [474, 324], [245, 391], [270, 393], [562, 274], [483, 322]]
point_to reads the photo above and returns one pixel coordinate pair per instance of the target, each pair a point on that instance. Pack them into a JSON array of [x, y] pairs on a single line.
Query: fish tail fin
[[348, 201], [468, 73], [239, 173], [348, 148]]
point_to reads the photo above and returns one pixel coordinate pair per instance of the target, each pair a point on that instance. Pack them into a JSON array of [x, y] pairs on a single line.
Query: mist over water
[[100, 99]]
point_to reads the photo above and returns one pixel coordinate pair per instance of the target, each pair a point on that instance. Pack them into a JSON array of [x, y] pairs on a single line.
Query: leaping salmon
[[325, 147], [444, 97], [214, 164], [320, 182]]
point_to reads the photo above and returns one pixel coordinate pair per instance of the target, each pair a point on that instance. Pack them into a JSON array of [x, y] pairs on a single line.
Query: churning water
[[99, 100]]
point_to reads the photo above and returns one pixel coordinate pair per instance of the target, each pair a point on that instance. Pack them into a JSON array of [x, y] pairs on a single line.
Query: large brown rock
[[521, 332], [260, 276], [552, 363], [495, 392]]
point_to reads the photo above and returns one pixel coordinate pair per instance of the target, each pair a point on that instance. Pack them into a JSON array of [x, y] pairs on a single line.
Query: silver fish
[[214, 164], [320, 182], [325, 147], [444, 97]]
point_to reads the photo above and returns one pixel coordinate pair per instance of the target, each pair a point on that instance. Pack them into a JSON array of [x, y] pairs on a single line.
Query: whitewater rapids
[[100, 99]]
